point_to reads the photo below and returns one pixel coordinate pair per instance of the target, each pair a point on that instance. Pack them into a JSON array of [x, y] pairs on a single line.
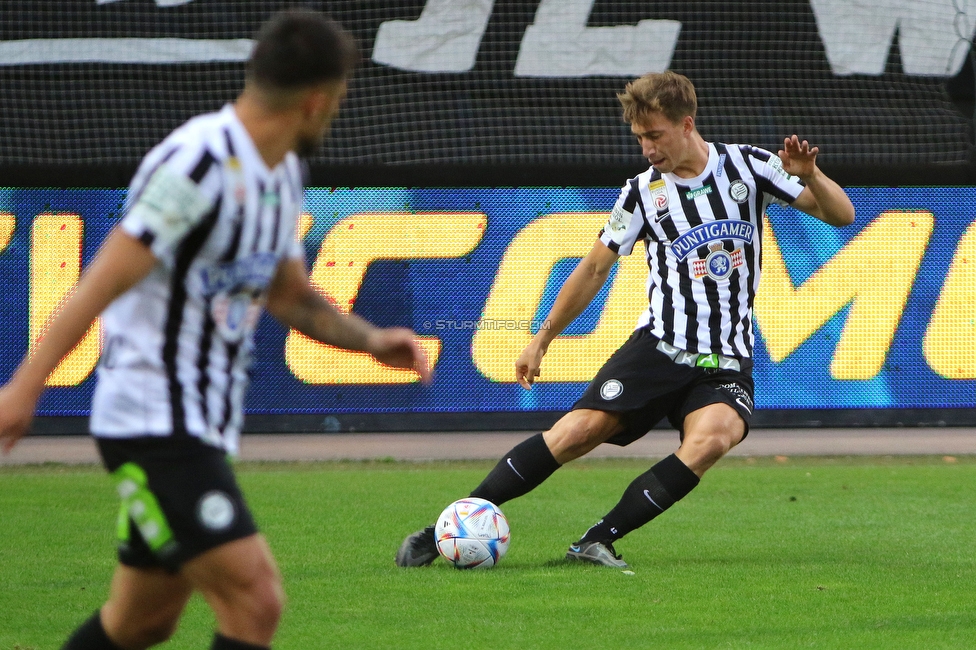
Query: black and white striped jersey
[[178, 344], [703, 239]]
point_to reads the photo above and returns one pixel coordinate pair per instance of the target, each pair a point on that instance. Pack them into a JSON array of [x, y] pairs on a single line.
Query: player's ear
[[323, 99], [314, 102]]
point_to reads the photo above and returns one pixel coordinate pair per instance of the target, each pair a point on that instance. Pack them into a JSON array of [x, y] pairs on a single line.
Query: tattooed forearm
[[317, 318]]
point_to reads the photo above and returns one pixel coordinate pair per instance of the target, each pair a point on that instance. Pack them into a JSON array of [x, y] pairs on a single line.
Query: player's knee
[[583, 431], [260, 599], [266, 602], [715, 442]]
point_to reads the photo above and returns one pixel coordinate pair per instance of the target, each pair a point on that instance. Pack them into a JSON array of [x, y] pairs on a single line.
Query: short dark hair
[[298, 48]]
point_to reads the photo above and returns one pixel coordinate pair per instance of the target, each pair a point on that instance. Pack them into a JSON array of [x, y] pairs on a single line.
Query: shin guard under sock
[[520, 471], [645, 498]]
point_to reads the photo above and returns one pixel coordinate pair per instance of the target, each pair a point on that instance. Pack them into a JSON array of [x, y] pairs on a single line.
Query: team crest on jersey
[[235, 315], [718, 264], [739, 192]]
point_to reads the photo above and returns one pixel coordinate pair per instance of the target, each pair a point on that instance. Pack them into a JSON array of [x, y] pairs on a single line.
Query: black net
[[513, 82]]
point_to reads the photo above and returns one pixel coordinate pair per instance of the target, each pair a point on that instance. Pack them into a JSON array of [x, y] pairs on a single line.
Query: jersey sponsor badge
[[691, 195], [710, 232], [233, 166], [659, 194], [739, 192], [707, 361], [252, 273]]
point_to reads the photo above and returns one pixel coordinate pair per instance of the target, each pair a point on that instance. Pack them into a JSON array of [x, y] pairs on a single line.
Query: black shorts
[[179, 499], [645, 385]]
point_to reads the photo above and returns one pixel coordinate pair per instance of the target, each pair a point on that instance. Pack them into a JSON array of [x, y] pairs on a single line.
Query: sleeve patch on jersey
[[777, 164], [619, 222], [170, 205]]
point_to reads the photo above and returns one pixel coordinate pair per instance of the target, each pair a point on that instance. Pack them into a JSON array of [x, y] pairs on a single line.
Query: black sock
[[90, 635], [221, 642], [521, 470], [645, 498]]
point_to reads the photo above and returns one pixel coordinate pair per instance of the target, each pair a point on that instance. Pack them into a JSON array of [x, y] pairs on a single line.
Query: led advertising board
[[879, 315]]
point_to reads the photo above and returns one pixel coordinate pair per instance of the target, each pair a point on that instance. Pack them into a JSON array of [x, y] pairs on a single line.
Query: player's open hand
[[398, 347], [528, 365], [16, 413], [799, 158]]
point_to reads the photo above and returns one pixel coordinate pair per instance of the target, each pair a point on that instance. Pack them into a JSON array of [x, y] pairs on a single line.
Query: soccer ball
[[472, 533]]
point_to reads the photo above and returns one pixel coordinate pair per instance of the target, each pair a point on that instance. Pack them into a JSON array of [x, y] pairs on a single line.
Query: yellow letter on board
[[520, 283], [55, 266], [875, 272], [7, 224], [347, 251], [950, 342]]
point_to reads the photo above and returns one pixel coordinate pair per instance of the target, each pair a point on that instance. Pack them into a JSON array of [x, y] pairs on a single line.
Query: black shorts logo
[[215, 510], [740, 395], [611, 389]]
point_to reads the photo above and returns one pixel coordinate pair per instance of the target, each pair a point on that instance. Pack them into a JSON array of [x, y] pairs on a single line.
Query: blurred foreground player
[[207, 241], [698, 210]]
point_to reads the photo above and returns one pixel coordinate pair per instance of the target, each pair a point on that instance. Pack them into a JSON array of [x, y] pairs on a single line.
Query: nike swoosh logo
[[509, 461], [574, 548], [738, 400], [656, 504]]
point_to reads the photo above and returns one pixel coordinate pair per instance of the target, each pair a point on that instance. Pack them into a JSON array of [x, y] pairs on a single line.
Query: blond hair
[[668, 93]]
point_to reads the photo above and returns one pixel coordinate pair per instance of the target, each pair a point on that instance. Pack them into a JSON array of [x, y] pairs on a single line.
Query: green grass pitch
[[810, 553]]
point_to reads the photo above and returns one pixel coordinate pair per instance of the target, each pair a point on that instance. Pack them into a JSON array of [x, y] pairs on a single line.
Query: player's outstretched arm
[[822, 197], [577, 292], [294, 302], [121, 262]]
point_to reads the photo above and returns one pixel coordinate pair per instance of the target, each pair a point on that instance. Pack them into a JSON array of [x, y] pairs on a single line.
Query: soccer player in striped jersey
[[698, 209], [207, 241]]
